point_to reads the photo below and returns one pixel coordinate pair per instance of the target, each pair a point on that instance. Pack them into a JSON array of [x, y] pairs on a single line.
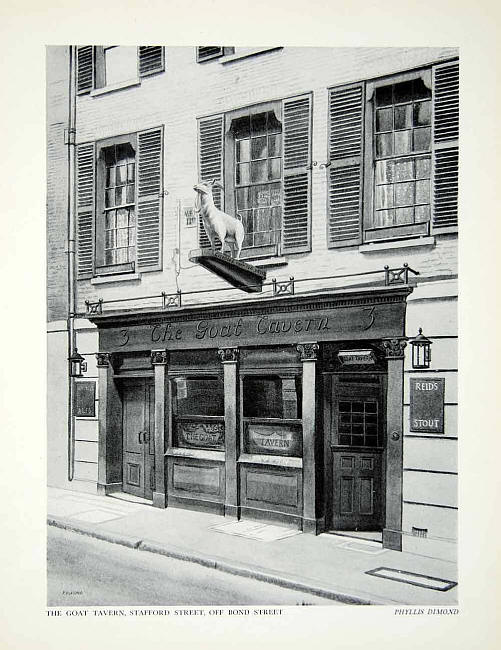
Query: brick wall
[[57, 181]]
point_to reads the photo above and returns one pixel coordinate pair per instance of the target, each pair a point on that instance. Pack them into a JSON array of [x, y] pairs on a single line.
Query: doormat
[[362, 546], [254, 530], [416, 579]]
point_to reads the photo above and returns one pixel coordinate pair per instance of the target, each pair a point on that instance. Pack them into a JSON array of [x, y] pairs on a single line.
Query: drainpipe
[[70, 141]]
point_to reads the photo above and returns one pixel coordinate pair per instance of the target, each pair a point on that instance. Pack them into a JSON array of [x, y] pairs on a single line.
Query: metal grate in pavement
[[417, 579]]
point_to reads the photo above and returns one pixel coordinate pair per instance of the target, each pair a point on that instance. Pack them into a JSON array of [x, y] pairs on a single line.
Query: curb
[[287, 581]]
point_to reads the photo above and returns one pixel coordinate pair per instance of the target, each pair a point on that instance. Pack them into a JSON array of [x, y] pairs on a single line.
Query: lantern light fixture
[[78, 365], [421, 351]]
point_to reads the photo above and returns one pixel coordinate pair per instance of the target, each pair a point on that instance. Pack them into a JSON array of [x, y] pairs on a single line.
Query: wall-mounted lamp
[[421, 351], [78, 365]]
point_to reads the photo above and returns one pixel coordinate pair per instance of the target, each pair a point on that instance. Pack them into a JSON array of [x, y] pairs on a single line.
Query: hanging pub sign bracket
[[240, 275]]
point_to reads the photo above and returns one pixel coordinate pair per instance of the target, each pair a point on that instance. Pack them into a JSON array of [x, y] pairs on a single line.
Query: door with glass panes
[[357, 444]]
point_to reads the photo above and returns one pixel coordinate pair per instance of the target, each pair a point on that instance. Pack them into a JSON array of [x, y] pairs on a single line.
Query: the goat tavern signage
[[427, 404]]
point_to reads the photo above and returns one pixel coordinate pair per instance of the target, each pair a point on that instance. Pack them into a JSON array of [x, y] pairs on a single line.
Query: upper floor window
[[393, 157], [115, 66], [262, 155], [210, 52]]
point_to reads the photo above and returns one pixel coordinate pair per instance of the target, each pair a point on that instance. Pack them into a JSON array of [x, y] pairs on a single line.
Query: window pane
[[384, 145], [384, 96], [260, 196], [131, 173], [258, 124], [130, 193], [384, 218], [243, 150], [404, 194], [384, 171], [422, 139], [120, 64], [110, 177], [243, 177], [132, 217], [276, 194], [276, 224], [259, 171], [132, 236], [422, 114], [109, 219], [370, 441], [402, 92], [275, 145], [259, 148], [384, 120], [403, 142], [403, 117], [122, 237], [274, 126], [122, 218], [121, 177], [384, 196], [275, 168], [344, 439], [123, 152], [420, 90], [423, 191], [121, 256], [404, 216], [109, 256], [264, 397], [243, 198], [110, 240], [423, 168], [404, 169], [422, 213]]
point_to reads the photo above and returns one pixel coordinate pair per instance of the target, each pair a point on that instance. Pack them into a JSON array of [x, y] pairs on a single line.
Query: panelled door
[[138, 438], [357, 443]]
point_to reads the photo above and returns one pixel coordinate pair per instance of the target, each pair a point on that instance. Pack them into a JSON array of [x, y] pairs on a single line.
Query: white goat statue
[[216, 222]]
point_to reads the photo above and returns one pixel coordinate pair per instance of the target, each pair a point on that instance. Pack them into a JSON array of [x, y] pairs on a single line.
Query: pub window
[[198, 412], [393, 157], [358, 423]]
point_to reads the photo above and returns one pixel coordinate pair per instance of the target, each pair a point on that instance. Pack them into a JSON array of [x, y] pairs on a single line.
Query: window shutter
[[210, 162], [445, 145], [85, 68], [296, 231], [346, 119], [86, 175], [149, 200], [151, 60], [207, 52]]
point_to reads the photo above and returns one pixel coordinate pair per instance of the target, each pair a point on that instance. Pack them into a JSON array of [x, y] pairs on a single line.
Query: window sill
[[203, 454], [118, 86], [123, 277], [374, 247], [262, 459], [248, 53], [270, 262]]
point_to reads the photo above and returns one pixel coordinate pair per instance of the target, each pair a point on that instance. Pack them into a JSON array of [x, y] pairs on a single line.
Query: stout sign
[[84, 405], [427, 404]]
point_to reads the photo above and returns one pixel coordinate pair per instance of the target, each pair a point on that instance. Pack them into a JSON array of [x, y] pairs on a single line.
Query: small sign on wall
[[427, 404], [84, 402]]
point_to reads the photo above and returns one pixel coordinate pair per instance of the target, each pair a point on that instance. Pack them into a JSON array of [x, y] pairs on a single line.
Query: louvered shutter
[[346, 116], [149, 199], [210, 163], [85, 68], [151, 60], [207, 52], [445, 145], [85, 182], [296, 231]]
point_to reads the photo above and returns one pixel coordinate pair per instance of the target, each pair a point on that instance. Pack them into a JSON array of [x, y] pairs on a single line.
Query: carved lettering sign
[[427, 404], [276, 439], [200, 435], [280, 328], [84, 403]]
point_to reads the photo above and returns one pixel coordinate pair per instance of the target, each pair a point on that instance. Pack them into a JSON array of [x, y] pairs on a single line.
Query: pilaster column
[[159, 360], [107, 476], [308, 356], [229, 359], [394, 349]]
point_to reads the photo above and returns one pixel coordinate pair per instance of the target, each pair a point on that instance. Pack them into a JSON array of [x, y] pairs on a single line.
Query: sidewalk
[[326, 565]]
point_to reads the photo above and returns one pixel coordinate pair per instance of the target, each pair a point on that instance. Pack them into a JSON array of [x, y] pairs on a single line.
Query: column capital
[[228, 355], [394, 348], [159, 357], [103, 359], [307, 351]]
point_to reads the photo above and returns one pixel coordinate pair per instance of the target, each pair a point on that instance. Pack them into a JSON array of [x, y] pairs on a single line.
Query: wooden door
[[357, 443], [138, 439]]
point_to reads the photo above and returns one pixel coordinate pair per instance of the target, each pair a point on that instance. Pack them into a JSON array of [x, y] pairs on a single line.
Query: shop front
[[286, 409]]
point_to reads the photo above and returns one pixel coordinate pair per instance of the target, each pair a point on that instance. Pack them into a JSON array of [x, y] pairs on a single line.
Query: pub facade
[[312, 382]]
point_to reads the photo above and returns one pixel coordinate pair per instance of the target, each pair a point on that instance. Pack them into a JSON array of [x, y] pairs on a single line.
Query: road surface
[[82, 571]]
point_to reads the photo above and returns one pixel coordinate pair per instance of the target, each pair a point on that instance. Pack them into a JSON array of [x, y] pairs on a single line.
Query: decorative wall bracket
[[228, 355], [171, 299], [94, 307], [103, 359], [159, 357], [394, 348], [283, 288], [398, 276], [307, 351]]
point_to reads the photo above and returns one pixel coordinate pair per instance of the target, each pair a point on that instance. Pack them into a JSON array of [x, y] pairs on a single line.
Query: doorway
[[357, 442], [138, 438]]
